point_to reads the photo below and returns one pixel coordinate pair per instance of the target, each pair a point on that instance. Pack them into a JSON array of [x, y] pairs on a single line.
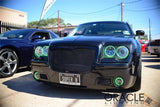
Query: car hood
[[47, 42], [94, 40]]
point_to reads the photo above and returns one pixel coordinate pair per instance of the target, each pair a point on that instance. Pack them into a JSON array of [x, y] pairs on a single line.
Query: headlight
[[45, 50], [109, 51], [38, 51], [41, 51], [122, 52]]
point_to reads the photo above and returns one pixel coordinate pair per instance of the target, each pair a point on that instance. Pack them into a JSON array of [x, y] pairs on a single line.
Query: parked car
[[154, 47], [16, 48], [96, 55], [143, 45], [146, 48], [66, 31]]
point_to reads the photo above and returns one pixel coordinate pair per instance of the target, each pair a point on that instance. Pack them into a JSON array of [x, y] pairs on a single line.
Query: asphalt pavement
[[21, 90]]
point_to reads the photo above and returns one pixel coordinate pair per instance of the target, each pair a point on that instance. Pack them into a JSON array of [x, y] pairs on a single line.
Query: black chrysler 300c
[[96, 55]]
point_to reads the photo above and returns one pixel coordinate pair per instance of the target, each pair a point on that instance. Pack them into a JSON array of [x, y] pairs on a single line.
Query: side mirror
[[36, 37], [140, 33]]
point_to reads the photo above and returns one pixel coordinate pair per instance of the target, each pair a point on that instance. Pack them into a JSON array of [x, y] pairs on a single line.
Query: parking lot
[[21, 90]]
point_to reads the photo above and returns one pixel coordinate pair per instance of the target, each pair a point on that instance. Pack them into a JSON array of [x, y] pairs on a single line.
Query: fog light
[[36, 75], [118, 81]]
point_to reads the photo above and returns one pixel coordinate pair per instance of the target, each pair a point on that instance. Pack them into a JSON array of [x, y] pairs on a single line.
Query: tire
[[137, 85], [8, 62]]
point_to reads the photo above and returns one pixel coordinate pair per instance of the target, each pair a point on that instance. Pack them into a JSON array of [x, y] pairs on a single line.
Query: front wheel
[[8, 62]]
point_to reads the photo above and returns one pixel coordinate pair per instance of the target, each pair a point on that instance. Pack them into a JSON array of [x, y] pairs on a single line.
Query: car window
[[54, 35], [18, 34], [102, 29], [44, 35]]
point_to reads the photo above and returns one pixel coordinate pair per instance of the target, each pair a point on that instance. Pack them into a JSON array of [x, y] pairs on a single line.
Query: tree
[[145, 37], [43, 23], [33, 24], [63, 24], [68, 24], [47, 23]]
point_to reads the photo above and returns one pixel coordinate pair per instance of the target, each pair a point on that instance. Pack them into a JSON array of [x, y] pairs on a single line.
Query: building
[[12, 18]]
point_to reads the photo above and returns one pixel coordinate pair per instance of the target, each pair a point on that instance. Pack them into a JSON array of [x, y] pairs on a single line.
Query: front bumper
[[101, 77]]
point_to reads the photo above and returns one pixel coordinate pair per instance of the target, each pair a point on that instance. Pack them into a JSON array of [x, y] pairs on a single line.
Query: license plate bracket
[[69, 79]]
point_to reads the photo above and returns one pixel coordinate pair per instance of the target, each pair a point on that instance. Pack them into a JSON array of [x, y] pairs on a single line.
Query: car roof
[[33, 29], [106, 22]]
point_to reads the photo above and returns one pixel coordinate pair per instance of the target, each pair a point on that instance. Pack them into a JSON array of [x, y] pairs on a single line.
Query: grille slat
[[72, 59]]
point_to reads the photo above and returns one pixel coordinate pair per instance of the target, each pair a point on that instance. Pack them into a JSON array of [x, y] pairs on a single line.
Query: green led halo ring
[[115, 81], [125, 55], [38, 56], [43, 50], [36, 75], [106, 53]]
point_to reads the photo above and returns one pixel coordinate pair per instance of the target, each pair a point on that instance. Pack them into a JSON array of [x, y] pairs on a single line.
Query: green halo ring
[[125, 55], [38, 56], [115, 81], [36, 75], [106, 53], [43, 50]]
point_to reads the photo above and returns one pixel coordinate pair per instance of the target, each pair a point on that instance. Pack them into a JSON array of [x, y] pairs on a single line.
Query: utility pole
[[58, 21], [149, 31], [122, 4], [0, 27]]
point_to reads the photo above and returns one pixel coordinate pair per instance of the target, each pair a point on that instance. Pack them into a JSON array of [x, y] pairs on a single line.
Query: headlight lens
[[109, 51], [45, 50], [122, 52], [41, 51], [38, 51]]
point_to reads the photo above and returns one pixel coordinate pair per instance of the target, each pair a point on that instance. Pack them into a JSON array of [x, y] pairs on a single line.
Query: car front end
[[97, 62], [100, 66]]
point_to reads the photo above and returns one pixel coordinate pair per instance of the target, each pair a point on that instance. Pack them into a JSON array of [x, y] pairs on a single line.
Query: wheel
[[8, 62], [137, 85]]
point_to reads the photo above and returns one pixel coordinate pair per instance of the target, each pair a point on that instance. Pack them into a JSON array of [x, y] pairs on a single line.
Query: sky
[[136, 12]]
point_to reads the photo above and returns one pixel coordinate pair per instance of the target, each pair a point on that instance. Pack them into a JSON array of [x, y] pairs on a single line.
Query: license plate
[[69, 79]]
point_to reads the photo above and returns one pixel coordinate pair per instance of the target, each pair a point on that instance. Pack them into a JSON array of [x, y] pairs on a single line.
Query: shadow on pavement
[[23, 69], [153, 66], [27, 84], [150, 60]]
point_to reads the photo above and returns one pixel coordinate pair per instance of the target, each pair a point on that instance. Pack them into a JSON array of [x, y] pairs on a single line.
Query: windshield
[[18, 34], [102, 29]]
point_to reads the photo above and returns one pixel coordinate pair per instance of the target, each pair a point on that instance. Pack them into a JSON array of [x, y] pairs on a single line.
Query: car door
[[28, 49]]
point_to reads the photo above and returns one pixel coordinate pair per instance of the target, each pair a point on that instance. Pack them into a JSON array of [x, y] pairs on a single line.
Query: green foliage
[[48, 23], [33, 24], [145, 37], [68, 24]]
